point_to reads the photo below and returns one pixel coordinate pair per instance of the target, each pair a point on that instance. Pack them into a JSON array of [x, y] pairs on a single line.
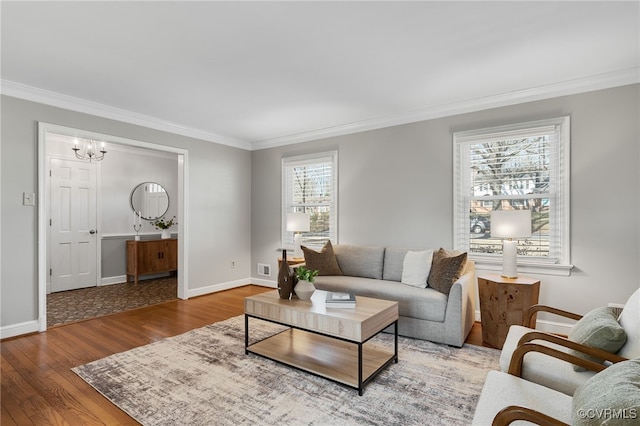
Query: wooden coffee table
[[322, 341]]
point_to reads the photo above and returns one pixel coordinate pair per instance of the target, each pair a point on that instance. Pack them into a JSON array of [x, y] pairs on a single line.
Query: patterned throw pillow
[[446, 269], [324, 260], [599, 329]]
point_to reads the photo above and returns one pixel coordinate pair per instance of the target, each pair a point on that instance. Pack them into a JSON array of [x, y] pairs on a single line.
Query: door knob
[[93, 231]]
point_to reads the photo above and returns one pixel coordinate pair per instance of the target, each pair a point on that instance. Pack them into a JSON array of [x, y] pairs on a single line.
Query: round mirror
[[150, 199]]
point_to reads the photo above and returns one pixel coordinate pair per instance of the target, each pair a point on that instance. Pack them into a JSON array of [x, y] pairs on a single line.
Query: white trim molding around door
[[45, 129]]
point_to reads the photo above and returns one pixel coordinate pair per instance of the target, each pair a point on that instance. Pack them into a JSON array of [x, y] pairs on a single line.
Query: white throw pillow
[[416, 268]]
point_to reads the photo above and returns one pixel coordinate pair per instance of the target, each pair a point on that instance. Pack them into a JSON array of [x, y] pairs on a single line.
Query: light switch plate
[[28, 199]]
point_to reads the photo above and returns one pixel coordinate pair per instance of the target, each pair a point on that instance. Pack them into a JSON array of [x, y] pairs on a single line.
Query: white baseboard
[[201, 291], [119, 279], [19, 329], [228, 285], [264, 283], [544, 325]]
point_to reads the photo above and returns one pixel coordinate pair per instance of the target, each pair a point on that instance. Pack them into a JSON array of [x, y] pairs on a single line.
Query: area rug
[[203, 377]]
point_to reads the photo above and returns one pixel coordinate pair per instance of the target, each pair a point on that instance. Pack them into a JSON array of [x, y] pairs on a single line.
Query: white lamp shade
[[298, 222], [511, 224]]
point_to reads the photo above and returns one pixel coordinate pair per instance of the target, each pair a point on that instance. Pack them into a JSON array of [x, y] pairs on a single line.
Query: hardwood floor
[[39, 388]]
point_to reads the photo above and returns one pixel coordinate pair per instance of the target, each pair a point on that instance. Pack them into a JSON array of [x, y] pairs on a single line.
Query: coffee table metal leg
[[395, 341], [246, 334], [360, 369]]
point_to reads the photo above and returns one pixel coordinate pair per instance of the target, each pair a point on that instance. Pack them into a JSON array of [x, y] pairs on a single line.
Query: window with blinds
[[309, 185], [519, 167]]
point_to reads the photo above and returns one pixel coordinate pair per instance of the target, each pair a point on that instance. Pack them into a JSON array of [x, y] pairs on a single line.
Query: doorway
[[47, 133]]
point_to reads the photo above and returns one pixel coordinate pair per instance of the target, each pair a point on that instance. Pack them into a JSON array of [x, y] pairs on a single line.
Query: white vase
[[304, 290], [166, 234]]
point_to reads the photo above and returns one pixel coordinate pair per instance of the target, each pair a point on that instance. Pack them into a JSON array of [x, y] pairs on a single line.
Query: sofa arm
[[465, 287], [461, 307]]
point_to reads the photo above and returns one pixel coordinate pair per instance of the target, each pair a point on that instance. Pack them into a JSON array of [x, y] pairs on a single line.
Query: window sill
[[525, 268]]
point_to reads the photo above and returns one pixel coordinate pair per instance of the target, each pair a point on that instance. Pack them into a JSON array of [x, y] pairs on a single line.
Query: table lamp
[[297, 223], [510, 225]]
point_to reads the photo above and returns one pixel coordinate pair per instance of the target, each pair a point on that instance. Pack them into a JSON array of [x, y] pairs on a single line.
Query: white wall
[[396, 189], [121, 174], [219, 200]]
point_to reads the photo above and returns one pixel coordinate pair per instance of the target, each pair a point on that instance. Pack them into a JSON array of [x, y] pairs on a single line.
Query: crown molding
[[47, 97], [565, 88]]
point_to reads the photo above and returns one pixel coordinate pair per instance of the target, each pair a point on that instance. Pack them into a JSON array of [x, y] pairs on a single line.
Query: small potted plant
[[305, 288], [164, 225]]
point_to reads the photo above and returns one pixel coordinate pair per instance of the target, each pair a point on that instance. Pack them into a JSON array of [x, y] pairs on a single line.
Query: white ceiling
[[260, 74]]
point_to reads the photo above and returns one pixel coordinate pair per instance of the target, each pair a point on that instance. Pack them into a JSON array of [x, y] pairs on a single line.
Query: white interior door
[[73, 233]]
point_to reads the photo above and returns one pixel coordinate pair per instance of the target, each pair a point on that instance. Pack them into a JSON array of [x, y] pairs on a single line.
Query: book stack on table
[[337, 299]]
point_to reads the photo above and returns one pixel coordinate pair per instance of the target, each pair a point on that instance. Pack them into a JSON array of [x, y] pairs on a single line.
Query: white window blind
[[524, 166], [309, 185]]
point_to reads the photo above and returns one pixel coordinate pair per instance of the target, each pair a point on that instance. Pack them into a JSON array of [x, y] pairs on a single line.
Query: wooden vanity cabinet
[[151, 257]]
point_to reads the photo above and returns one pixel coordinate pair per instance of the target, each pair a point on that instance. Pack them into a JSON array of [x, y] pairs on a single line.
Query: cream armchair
[[611, 393], [553, 372]]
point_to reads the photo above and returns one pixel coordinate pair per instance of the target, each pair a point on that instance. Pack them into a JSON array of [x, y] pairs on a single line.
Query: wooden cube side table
[[503, 303]]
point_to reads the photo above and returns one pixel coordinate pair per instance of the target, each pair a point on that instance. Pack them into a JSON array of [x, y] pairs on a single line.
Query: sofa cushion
[[324, 261], [416, 268], [360, 261], [597, 329], [393, 263], [611, 397], [630, 321], [421, 303], [446, 269]]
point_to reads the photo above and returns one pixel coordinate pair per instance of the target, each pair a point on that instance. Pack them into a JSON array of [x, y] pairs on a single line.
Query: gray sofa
[[425, 313]]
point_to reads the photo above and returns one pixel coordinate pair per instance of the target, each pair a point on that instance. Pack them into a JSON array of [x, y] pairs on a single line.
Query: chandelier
[[89, 150]]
